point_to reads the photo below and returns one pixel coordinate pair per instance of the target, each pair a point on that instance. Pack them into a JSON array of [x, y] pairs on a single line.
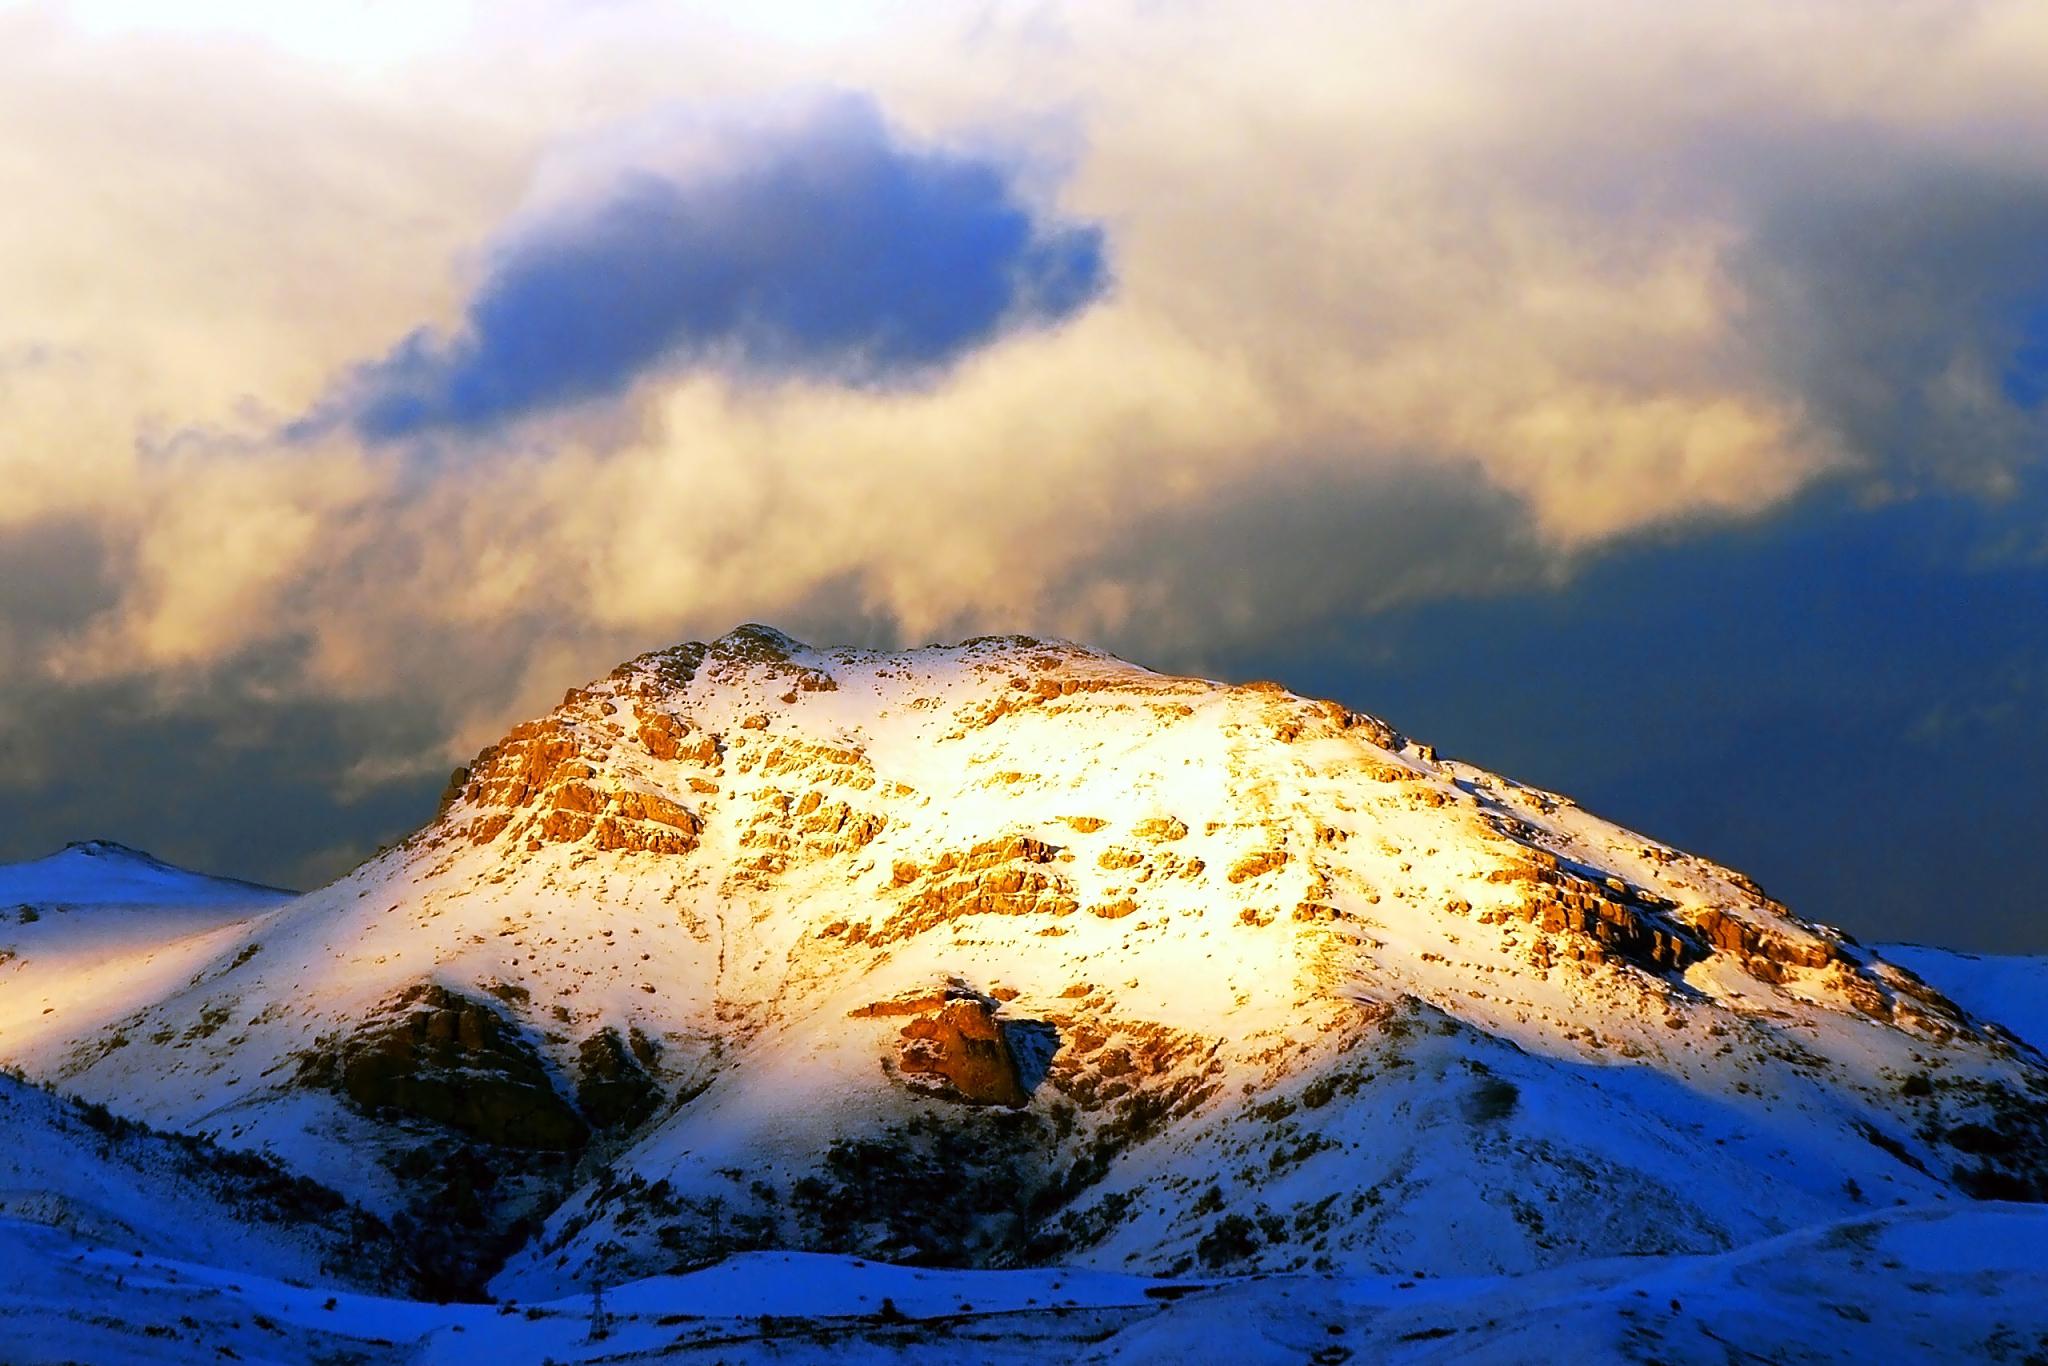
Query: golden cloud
[[1355, 249]]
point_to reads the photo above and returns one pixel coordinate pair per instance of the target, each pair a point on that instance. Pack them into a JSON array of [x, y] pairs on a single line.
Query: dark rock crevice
[[440, 1056]]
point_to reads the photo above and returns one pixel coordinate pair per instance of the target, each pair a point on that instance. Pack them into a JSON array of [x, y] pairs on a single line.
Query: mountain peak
[[1012, 950], [111, 849], [758, 638], [107, 872]]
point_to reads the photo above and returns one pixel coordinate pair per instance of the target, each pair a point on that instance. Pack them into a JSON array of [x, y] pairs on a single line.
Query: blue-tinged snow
[[89, 931], [2010, 990], [1944, 1284], [102, 873]]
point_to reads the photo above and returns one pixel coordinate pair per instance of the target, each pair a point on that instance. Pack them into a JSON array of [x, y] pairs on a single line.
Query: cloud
[[1410, 304], [1556, 282], [1906, 299], [290, 790], [2024, 376], [813, 240], [54, 574]]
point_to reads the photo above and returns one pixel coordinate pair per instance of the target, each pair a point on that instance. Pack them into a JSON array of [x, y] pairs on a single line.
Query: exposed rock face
[[954, 1045], [455, 1061], [1596, 920], [543, 780], [613, 1088], [1765, 955], [458, 783], [994, 877], [1257, 864], [962, 1044]]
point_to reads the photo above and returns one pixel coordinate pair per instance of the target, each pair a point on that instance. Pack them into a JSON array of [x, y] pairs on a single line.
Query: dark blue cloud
[[821, 245], [1909, 311], [2025, 377]]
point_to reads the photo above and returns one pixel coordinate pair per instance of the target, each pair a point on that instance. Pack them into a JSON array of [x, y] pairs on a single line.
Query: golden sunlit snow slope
[[710, 946]]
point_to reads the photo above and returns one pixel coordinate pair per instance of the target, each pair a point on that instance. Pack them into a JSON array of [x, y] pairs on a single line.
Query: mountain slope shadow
[[1032, 1044]]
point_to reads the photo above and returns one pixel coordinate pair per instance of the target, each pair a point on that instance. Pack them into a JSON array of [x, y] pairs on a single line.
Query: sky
[[1645, 401]]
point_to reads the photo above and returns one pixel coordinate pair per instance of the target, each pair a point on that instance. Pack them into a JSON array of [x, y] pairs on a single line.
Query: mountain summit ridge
[[1012, 951]]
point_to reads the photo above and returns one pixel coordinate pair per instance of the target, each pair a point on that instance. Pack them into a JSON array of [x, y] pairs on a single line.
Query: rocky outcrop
[[787, 828], [637, 822], [662, 673], [533, 758], [613, 1087], [961, 1045], [994, 877], [764, 652], [440, 1056], [1765, 954], [661, 733], [1257, 864], [954, 1046], [458, 783], [1593, 920]]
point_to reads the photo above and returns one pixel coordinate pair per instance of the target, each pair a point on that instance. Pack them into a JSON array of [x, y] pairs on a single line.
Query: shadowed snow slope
[[81, 1174], [96, 926], [102, 873], [1960, 1284], [2010, 989], [1011, 953]]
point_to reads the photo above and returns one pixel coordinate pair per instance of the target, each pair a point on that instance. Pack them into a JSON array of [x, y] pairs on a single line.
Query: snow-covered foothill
[[1944, 1284], [91, 929]]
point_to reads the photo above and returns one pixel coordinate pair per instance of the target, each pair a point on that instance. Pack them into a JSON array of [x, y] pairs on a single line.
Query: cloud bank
[[421, 386]]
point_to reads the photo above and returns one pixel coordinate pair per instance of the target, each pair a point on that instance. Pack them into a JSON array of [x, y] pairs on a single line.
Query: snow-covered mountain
[[1013, 953], [93, 928], [101, 873]]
